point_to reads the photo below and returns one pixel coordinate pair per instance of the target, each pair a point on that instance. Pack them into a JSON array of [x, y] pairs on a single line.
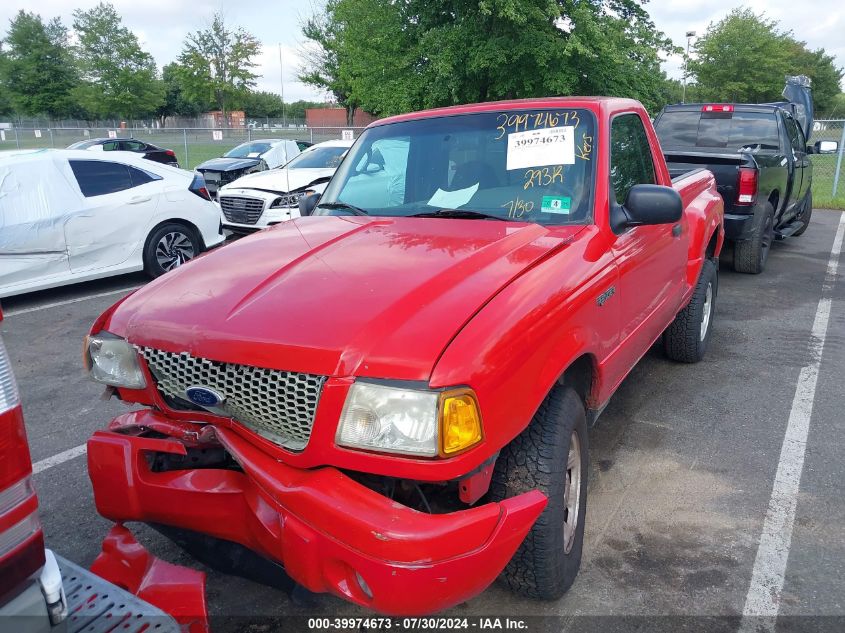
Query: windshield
[[319, 158], [528, 165], [248, 150], [729, 130]]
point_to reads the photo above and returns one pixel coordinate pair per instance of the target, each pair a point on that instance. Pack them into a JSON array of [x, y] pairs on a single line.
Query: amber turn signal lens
[[460, 423]]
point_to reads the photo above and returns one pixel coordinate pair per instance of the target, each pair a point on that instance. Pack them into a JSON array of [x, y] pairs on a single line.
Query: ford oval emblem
[[204, 397]]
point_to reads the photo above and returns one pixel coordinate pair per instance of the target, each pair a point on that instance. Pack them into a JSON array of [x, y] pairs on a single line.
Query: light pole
[[690, 35], [282, 85]]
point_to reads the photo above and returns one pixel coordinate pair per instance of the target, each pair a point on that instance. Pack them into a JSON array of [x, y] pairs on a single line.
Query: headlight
[[110, 360], [409, 421], [287, 201]]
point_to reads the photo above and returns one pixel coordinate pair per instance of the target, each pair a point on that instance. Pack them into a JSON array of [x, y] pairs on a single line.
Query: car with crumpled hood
[[247, 158], [265, 198], [390, 396]]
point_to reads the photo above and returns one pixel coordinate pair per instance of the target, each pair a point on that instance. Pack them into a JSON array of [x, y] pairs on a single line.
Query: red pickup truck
[[390, 397]]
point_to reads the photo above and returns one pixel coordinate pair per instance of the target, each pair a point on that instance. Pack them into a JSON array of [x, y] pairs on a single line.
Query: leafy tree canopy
[[327, 57], [216, 64], [176, 102], [36, 71], [120, 74], [389, 57], [262, 105], [745, 58]]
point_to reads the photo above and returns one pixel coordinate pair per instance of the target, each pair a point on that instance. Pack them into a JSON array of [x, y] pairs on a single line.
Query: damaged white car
[[259, 200], [71, 215]]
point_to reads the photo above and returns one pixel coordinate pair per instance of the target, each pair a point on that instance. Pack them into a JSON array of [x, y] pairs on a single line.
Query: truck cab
[[390, 395]]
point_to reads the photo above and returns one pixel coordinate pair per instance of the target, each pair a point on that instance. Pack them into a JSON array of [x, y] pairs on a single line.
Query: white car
[[246, 158], [73, 215], [259, 200]]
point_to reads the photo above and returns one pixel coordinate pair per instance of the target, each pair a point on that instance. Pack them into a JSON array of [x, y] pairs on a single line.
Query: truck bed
[[724, 166]]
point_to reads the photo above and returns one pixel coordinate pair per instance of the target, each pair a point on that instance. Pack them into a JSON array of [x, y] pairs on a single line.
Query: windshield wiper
[[458, 214], [343, 207]]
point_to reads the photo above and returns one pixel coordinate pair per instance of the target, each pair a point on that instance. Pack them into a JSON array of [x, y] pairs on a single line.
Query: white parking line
[[764, 594], [61, 458], [47, 306]]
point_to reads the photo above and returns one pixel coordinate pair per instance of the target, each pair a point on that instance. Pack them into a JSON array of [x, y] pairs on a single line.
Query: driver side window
[[630, 155]]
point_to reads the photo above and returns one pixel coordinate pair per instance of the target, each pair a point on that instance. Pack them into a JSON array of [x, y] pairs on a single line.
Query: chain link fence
[[173, 122], [192, 146], [828, 166], [195, 145]]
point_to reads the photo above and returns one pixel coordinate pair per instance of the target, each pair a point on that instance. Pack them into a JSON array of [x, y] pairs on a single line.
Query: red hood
[[341, 296]]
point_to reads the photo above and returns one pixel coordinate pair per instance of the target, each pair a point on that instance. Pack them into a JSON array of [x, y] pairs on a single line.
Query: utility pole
[[690, 35], [282, 85]]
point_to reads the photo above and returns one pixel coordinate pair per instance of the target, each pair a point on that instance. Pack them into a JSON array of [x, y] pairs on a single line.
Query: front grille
[[240, 209], [278, 405]]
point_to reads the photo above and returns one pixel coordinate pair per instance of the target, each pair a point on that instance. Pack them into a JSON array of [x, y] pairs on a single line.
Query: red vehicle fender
[[704, 213], [176, 590]]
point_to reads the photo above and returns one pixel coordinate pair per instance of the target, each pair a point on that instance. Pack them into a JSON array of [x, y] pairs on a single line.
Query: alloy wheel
[[572, 492], [173, 250], [707, 311]]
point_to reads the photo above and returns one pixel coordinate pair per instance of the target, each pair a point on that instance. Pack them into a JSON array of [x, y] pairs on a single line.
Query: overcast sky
[[162, 25]]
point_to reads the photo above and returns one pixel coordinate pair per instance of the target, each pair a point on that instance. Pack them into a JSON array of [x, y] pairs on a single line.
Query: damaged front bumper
[[330, 533]]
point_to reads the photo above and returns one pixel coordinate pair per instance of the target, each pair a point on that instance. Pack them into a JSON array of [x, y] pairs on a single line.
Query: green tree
[[836, 110], [262, 105], [36, 72], [822, 70], [745, 58], [176, 102], [324, 55], [392, 57], [216, 64], [120, 75], [296, 110]]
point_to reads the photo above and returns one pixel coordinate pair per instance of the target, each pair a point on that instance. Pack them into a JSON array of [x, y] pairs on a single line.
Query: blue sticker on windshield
[[556, 204]]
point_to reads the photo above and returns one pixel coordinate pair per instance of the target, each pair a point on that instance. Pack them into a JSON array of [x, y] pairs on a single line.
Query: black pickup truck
[[758, 154]]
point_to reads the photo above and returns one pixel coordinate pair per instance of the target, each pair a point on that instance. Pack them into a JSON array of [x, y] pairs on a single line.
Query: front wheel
[[686, 339], [168, 247], [551, 456]]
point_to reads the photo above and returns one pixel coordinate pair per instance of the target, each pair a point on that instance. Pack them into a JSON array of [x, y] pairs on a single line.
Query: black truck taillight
[[198, 187], [21, 537], [746, 187]]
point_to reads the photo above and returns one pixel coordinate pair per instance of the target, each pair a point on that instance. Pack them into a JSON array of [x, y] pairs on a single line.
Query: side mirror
[[826, 147], [647, 204], [307, 204]]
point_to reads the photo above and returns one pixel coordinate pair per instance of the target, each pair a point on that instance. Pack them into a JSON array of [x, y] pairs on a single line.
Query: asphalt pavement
[[689, 500]]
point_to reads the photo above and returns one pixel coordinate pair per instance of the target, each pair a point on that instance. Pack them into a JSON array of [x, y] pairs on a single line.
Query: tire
[[547, 561], [168, 247], [686, 339], [751, 255], [805, 215]]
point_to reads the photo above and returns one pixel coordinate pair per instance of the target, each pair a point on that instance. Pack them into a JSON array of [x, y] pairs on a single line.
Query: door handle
[[676, 230], [139, 199]]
